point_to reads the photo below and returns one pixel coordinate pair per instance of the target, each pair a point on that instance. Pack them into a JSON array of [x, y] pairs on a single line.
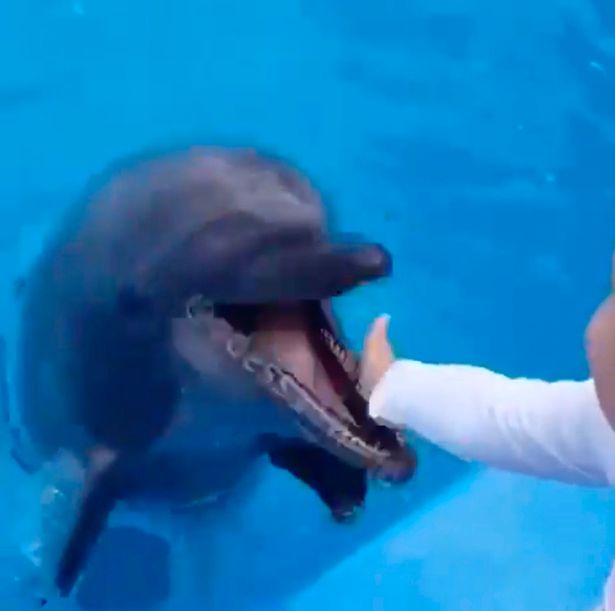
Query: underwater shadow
[[265, 544]]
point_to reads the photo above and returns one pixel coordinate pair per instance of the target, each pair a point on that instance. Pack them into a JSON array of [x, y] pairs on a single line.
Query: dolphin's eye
[[197, 305]]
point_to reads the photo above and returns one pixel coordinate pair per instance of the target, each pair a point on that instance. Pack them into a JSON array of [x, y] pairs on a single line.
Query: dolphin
[[178, 326]]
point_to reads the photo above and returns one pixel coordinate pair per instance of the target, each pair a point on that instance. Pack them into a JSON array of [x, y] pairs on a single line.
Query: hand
[[377, 354], [600, 346]]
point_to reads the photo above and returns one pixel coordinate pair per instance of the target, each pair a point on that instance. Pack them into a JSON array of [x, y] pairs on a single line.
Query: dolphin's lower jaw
[[333, 412]]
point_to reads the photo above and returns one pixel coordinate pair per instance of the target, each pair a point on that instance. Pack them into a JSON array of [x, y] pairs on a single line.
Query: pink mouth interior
[[295, 354], [284, 332]]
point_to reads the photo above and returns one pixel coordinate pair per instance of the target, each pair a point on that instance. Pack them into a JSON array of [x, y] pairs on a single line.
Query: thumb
[[377, 353], [377, 339]]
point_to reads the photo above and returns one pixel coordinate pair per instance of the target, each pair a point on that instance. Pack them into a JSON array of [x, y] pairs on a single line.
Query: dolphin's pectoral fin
[[340, 486], [103, 491], [125, 390]]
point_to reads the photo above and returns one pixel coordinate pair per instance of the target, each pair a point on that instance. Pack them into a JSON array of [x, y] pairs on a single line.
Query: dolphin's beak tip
[[377, 261]]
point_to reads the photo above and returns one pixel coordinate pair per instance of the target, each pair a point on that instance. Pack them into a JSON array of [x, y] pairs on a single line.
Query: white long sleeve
[[554, 430]]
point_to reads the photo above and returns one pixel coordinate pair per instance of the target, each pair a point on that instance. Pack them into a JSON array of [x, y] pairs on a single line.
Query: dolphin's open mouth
[[294, 353]]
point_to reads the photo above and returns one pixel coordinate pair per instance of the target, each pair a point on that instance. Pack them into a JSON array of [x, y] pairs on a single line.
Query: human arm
[[554, 430]]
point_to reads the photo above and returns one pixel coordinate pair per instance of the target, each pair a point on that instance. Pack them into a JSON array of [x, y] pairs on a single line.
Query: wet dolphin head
[[247, 267], [247, 229], [207, 261]]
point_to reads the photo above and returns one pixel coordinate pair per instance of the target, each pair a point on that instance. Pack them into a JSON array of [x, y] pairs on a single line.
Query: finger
[[377, 339], [377, 354]]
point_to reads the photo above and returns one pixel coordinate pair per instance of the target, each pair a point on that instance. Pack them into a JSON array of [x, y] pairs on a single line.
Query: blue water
[[475, 139]]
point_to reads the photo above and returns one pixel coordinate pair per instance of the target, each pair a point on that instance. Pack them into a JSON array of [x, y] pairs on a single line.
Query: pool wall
[[474, 139]]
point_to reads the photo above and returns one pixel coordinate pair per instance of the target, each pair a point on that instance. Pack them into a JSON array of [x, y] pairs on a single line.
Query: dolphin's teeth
[[259, 367], [318, 422], [344, 356], [250, 364], [338, 350], [197, 306], [238, 345]]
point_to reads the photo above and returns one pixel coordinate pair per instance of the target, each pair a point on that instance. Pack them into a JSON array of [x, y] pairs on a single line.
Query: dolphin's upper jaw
[[295, 355]]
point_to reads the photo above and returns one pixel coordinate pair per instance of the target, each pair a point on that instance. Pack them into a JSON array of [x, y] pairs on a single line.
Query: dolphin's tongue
[[282, 331]]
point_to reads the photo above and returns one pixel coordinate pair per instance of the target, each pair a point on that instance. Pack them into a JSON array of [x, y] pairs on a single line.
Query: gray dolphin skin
[[178, 326]]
